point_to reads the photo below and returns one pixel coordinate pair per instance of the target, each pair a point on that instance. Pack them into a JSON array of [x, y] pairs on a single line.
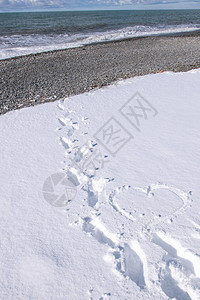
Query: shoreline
[[42, 77], [175, 34]]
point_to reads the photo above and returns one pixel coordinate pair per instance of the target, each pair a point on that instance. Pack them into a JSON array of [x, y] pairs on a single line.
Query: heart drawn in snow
[[157, 201]]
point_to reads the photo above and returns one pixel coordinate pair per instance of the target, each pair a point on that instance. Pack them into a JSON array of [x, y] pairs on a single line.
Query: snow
[[90, 215]]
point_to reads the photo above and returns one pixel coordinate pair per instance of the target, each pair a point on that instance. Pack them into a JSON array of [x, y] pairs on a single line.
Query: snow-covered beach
[[100, 193]]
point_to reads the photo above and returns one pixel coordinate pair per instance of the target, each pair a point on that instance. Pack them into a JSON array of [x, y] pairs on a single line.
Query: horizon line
[[102, 9]]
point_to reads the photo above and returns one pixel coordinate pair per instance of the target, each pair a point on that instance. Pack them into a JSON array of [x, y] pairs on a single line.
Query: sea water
[[32, 32]]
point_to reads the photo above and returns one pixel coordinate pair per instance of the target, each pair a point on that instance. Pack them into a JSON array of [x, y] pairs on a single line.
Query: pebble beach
[[33, 79]]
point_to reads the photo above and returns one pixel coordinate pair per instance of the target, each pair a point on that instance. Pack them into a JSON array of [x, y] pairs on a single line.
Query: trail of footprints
[[126, 257], [179, 270], [76, 149]]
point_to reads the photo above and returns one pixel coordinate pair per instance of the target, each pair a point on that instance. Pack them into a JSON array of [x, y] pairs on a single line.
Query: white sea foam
[[17, 45]]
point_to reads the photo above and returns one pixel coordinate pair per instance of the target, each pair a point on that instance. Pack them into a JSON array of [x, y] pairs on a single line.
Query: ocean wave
[[18, 45]]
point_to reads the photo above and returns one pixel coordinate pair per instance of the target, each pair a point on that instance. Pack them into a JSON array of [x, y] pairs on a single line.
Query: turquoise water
[[27, 32]]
